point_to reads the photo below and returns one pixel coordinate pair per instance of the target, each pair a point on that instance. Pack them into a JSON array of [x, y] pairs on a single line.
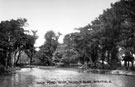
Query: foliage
[[98, 42], [66, 55], [46, 51], [102, 39], [14, 39]]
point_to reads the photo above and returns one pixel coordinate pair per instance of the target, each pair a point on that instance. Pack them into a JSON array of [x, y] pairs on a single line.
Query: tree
[[102, 39], [66, 55], [46, 51], [9, 32], [29, 46], [114, 26], [14, 40]]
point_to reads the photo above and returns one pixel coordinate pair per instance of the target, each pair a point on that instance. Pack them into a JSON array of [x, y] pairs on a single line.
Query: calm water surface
[[60, 77]]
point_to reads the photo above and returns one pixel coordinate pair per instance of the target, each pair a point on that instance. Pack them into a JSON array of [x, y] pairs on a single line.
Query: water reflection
[[36, 77]]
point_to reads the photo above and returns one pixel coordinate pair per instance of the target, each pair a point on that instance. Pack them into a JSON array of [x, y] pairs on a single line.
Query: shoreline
[[12, 70], [110, 72]]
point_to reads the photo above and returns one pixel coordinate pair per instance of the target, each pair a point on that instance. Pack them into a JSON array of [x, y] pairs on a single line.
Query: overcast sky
[[58, 15]]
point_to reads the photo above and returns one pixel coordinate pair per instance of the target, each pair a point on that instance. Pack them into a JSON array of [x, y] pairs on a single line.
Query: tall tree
[[46, 51], [13, 39]]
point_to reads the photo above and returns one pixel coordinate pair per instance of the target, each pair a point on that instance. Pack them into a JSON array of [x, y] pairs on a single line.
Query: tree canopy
[[14, 38]]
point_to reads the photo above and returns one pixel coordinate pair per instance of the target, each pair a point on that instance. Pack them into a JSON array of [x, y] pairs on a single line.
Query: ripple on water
[[27, 77]]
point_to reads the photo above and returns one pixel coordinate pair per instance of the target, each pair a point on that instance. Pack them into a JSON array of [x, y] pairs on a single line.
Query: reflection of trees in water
[[21, 80], [30, 78]]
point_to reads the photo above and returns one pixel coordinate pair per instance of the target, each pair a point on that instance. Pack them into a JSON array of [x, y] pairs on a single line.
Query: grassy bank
[[120, 71], [8, 71]]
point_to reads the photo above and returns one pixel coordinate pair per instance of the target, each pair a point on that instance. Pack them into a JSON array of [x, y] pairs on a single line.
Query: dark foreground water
[[60, 77]]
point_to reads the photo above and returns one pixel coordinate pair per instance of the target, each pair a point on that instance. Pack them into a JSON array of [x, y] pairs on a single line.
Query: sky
[[57, 15]]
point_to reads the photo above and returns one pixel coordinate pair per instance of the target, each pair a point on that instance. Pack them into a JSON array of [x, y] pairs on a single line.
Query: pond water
[[63, 77]]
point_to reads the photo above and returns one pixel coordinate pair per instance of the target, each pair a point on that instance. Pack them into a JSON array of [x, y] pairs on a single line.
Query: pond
[[63, 77]]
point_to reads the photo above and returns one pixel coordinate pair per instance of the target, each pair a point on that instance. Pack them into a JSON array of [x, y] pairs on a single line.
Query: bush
[[2, 69]]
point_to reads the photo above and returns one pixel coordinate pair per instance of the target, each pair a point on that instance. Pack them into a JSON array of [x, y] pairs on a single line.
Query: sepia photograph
[[67, 43]]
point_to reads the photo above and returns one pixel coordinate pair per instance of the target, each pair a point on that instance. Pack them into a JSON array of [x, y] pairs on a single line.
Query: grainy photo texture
[[67, 43]]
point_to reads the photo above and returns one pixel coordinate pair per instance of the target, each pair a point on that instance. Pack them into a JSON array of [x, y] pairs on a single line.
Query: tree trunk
[[13, 58], [18, 57], [114, 58], [108, 57], [125, 63], [132, 63], [30, 61], [6, 60], [128, 63], [9, 59], [103, 58], [90, 60]]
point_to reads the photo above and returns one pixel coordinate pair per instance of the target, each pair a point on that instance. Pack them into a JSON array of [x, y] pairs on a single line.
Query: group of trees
[[100, 41], [106, 35], [14, 40], [112, 30], [46, 51]]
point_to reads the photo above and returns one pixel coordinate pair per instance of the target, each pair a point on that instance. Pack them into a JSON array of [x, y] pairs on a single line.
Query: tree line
[[14, 40], [107, 40], [104, 43]]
